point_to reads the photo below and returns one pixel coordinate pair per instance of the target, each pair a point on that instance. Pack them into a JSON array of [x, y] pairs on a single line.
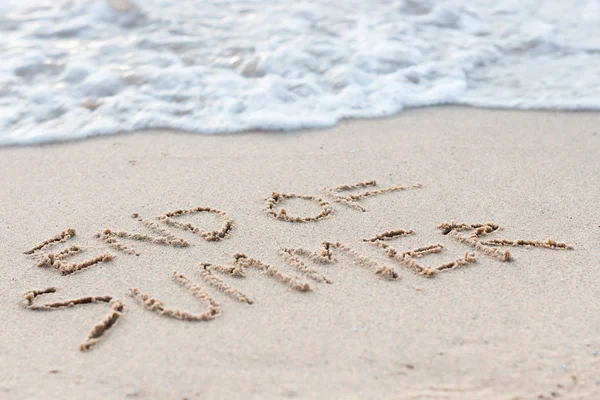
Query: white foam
[[71, 69]]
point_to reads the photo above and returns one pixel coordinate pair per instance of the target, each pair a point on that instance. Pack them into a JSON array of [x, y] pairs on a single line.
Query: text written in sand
[[56, 252]]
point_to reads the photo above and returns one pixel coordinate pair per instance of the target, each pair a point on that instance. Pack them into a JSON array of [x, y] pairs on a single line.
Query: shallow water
[[72, 69]]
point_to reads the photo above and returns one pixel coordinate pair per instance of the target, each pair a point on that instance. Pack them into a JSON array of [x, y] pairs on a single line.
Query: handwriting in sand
[[473, 236]]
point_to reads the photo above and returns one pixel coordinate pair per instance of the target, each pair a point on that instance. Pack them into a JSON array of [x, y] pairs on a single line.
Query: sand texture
[[445, 253]]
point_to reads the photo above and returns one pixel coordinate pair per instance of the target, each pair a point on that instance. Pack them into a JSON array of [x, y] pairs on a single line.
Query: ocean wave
[[72, 69]]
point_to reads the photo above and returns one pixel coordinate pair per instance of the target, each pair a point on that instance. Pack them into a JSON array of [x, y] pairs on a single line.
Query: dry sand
[[161, 308]]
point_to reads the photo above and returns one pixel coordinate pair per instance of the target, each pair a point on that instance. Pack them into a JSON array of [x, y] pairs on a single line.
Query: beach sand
[[490, 329]]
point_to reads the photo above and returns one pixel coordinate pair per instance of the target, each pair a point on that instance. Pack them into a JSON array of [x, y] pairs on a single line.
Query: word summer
[[55, 254]]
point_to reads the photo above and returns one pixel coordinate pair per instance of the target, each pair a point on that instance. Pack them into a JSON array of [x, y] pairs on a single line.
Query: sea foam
[[71, 69]]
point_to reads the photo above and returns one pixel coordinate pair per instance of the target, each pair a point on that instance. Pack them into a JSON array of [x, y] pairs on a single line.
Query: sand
[[185, 279]]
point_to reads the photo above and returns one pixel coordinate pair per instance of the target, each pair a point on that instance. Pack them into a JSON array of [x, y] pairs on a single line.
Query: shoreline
[[400, 114]]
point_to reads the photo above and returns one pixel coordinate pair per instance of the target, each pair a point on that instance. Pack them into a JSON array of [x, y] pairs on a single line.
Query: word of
[[349, 200]]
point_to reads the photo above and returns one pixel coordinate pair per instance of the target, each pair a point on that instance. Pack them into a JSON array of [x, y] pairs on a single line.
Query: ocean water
[[76, 68]]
